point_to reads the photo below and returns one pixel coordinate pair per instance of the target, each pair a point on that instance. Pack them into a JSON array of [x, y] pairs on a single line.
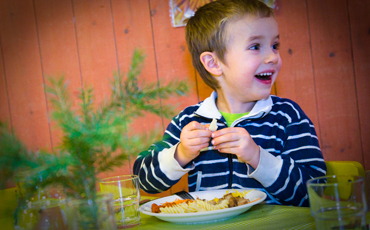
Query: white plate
[[204, 217]]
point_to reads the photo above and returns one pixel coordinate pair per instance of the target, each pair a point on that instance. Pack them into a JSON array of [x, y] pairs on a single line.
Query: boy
[[262, 142]]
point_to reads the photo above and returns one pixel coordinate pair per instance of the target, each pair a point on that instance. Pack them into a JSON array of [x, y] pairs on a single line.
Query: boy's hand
[[237, 141], [194, 137]]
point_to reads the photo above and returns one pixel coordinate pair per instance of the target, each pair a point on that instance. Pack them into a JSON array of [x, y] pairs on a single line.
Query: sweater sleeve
[[156, 167], [300, 160]]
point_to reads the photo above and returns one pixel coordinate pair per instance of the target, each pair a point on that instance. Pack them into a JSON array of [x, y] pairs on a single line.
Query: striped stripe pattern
[[285, 132]]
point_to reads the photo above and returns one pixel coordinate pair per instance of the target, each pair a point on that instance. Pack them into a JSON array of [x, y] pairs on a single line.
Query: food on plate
[[230, 199], [197, 205], [213, 126]]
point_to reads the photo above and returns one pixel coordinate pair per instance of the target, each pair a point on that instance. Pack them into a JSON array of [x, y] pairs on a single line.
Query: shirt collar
[[209, 109]]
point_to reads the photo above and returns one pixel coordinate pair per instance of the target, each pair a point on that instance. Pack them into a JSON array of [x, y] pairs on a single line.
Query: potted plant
[[95, 138]]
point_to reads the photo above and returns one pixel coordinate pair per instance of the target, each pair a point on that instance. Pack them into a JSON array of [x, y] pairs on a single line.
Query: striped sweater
[[289, 154]]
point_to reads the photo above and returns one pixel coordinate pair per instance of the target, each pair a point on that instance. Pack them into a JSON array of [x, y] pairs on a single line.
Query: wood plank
[[4, 105], [173, 60], [23, 73], [132, 26], [96, 45], [296, 80], [334, 79], [360, 30], [133, 30], [58, 48], [172, 57]]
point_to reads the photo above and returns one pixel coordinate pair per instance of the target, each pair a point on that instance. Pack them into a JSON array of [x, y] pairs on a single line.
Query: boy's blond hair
[[205, 31]]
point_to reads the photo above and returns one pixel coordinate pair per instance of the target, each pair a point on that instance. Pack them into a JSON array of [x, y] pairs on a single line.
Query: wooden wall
[[324, 46]]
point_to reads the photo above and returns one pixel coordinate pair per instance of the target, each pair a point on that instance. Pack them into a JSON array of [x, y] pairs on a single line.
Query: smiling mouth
[[264, 76]]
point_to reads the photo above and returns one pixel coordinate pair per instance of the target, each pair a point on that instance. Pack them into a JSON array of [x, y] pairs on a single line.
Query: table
[[260, 216], [8, 202]]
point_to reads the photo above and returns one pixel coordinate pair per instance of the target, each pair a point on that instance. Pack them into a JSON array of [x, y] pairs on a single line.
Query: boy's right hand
[[194, 137]]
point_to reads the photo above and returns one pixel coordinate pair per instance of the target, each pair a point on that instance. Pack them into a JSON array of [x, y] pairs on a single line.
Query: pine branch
[[60, 100], [14, 155], [87, 98], [135, 70], [95, 138]]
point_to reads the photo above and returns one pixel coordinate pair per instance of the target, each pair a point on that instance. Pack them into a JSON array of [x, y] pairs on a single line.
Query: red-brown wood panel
[[133, 30], [23, 73], [58, 48], [295, 80], [172, 59], [132, 26], [4, 105], [334, 78], [324, 47], [203, 90], [96, 45], [360, 33]]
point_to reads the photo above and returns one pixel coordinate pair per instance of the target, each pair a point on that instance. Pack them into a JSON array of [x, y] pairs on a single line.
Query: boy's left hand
[[237, 141]]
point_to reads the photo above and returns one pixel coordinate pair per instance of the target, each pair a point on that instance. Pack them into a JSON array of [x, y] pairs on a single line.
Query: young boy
[[263, 141]]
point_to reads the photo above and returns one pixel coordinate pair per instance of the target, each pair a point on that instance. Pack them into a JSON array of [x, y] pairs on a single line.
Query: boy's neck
[[231, 105]]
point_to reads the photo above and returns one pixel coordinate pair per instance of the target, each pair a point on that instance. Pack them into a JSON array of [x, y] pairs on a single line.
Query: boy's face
[[252, 59]]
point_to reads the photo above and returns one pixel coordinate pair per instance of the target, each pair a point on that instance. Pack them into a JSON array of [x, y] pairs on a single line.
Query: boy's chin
[[264, 98], [264, 93]]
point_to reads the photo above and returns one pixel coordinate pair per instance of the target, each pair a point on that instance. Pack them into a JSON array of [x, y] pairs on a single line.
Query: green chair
[[344, 168], [347, 169]]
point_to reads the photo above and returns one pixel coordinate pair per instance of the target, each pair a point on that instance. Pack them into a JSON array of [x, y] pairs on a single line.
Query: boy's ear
[[211, 63]]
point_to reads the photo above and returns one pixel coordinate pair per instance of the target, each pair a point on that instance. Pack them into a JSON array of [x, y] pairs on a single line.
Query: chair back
[[348, 169], [344, 168]]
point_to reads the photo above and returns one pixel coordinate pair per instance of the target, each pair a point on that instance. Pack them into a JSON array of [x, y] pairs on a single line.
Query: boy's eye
[[276, 46], [255, 47]]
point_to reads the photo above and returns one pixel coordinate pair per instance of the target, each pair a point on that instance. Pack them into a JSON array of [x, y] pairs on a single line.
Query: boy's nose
[[272, 56]]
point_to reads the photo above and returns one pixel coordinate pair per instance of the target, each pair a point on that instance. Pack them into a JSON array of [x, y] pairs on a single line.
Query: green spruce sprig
[[96, 138]]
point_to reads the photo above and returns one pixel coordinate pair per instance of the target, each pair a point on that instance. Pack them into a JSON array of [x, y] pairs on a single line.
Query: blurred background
[[324, 47]]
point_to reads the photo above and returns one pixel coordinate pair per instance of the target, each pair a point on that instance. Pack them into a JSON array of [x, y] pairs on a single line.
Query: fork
[[185, 195]]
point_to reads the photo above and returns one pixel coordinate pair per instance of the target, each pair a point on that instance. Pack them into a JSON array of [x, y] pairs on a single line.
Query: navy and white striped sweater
[[289, 149]]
